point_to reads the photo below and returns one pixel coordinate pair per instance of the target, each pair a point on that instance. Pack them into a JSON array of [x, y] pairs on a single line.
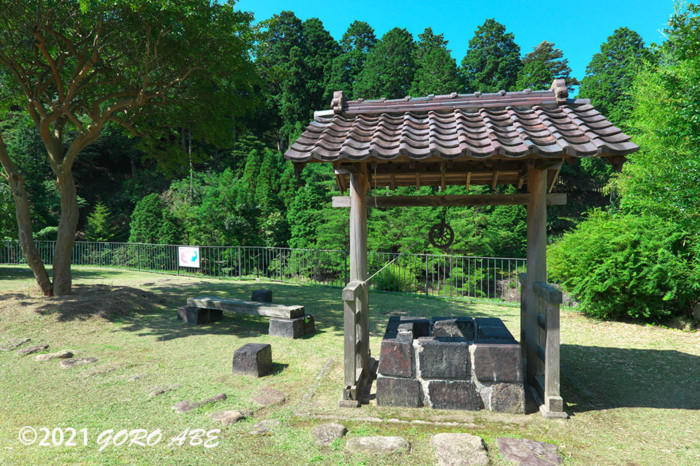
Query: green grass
[[633, 391]]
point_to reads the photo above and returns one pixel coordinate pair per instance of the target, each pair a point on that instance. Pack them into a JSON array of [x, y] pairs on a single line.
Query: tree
[[145, 218], [389, 68], [542, 66], [321, 50], [79, 66], [280, 59], [611, 71], [492, 61], [356, 43], [99, 224], [436, 70]]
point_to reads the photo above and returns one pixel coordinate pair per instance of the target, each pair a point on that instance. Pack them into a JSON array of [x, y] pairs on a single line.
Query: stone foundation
[[446, 363]]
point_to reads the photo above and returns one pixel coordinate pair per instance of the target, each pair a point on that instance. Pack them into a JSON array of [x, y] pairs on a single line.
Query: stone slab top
[[246, 307]]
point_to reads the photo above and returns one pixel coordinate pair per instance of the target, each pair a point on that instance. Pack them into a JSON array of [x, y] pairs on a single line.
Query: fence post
[[240, 265]]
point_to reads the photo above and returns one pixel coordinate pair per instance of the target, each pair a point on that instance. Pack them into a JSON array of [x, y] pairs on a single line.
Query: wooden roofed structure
[[505, 138]]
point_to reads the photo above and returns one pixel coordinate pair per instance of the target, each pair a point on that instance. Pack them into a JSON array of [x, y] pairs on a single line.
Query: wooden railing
[[540, 344]]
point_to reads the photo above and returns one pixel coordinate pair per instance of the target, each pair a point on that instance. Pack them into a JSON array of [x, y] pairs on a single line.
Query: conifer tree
[[356, 43], [492, 61], [610, 74], [436, 70], [389, 69], [541, 66]]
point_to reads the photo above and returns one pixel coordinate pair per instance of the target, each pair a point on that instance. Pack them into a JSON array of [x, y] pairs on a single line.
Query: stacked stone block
[[444, 363]]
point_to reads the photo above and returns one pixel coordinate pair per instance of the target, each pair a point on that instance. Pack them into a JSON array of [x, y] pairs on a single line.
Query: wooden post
[[553, 403], [536, 258], [356, 311]]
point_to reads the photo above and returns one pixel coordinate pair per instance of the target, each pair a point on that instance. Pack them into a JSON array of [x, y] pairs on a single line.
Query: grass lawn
[[633, 392]]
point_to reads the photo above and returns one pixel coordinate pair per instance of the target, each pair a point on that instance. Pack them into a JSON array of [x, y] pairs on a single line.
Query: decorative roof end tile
[[561, 93], [338, 102]]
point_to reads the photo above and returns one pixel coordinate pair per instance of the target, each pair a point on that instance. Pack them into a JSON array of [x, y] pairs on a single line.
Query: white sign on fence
[[188, 256]]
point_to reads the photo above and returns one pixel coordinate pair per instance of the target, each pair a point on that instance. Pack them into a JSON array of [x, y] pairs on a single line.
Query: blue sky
[[577, 28]]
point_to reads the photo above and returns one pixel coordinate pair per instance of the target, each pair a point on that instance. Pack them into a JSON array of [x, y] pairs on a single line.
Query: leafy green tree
[[610, 73], [8, 223], [99, 224], [389, 68], [492, 61], [663, 178], [321, 50], [436, 70], [356, 43], [542, 66], [78, 66]]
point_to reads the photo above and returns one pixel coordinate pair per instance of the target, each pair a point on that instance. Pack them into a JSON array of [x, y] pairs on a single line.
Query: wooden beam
[[554, 179], [450, 201], [495, 180], [469, 180]]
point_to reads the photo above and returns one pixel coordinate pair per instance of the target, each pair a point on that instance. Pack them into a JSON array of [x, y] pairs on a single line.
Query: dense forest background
[[214, 174]]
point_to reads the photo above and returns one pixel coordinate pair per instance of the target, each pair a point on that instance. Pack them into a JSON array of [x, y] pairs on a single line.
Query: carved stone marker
[[253, 359]]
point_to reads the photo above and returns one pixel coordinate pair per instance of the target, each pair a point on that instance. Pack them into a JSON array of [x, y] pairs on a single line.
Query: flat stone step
[[246, 307]]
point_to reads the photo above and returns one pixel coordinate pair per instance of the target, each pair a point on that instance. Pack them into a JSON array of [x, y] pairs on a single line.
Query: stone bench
[[285, 321]]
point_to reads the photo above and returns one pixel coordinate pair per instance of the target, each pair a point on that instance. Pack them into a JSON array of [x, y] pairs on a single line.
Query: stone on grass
[[77, 362], [377, 445], [160, 390], [262, 296], [253, 359], [227, 417], [12, 344], [33, 349], [185, 406], [264, 427], [327, 433], [269, 397], [57, 355], [529, 452], [459, 449]]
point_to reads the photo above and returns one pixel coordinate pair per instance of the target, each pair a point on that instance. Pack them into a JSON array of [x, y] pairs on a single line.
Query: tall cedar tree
[[492, 61], [436, 70], [356, 43], [389, 68], [541, 66], [280, 59], [321, 50], [611, 71]]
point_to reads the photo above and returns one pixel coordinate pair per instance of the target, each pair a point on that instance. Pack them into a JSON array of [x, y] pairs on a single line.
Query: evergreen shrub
[[627, 266]]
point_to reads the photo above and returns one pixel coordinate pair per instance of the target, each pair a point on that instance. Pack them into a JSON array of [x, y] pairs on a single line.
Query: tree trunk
[[24, 222], [67, 224]]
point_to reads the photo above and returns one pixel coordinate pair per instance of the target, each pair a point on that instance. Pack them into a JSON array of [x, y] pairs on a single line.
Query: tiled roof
[[505, 125]]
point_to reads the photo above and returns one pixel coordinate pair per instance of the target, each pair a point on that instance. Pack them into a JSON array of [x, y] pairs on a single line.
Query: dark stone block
[[288, 328], [420, 326], [195, 315], [262, 296], [396, 357], [508, 398], [491, 328], [253, 359], [462, 327], [309, 325], [454, 394], [399, 392], [498, 362], [444, 358]]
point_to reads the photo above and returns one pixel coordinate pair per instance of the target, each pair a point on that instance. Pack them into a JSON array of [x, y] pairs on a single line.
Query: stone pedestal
[[253, 359], [292, 328], [195, 315], [261, 296]]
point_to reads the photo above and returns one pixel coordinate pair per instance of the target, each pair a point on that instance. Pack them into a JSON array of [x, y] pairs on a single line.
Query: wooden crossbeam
[[451, 200]]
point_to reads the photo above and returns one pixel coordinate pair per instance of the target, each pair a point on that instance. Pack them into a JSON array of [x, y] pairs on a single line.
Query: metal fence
[[431, 274]]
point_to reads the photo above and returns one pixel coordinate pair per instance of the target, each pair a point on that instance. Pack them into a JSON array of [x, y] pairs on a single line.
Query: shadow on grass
[[23, 273], [597, 378]]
